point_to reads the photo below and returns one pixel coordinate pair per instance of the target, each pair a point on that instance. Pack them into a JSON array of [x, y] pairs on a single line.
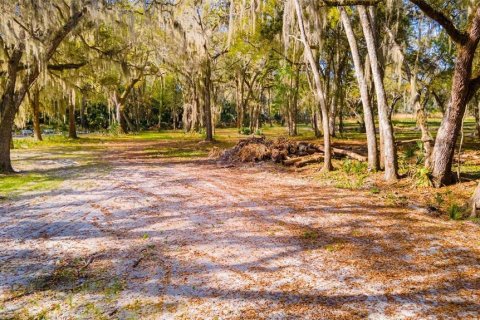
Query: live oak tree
[[30, 34], [464, 85]]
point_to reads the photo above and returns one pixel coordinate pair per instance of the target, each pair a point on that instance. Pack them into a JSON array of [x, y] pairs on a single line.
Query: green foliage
[[395, 199], [15, 184], [455, 212], [354, 167], [438, 198], [375, 190], [410, 151], [114, 129], [421, 177], [245, 131], [310, 235]]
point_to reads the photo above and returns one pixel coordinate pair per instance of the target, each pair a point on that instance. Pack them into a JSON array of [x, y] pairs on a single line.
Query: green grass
[[11, 185]]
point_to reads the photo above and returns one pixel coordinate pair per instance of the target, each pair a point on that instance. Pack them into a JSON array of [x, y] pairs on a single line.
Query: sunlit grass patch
[[175, 153], [333, 247], [348, 174], [11, 185], [62, 141]]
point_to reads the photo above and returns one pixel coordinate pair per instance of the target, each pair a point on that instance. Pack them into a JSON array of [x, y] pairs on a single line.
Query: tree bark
[[11, 98], [82, 111], [449, 130], [421, 116], [476, 112], [463, 88], [363, 86], [207, 102], [327, 165], [8, 109], [37, 132], [389, 149], [72, 128], [475, 202]]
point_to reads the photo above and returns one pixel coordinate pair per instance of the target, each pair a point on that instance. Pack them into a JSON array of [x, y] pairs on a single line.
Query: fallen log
[[308, 160], [350, 154], [347, 153], [400, 142], [292, 161]]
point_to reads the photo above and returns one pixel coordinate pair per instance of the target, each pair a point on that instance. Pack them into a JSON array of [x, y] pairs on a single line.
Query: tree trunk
[[5, 141], [37, 132], [8, 109], [82, 111], [475, 202], [448, 132], [327, 165], [369, 121], [72, 129], [389, 149], [208, 108], [463, 89], [11, 99], [476, 112], [427, 138]]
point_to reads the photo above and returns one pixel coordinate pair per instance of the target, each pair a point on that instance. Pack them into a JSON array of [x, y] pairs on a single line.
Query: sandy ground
[[151, 238]]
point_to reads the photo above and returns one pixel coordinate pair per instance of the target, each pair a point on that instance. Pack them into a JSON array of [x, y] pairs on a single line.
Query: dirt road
[[166, 238]]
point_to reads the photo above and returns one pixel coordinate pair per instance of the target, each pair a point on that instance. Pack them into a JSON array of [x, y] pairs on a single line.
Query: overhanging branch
[[344, 3], [456, 35]]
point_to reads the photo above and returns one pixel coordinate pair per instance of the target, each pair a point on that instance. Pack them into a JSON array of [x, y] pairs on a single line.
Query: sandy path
[[172, 239]]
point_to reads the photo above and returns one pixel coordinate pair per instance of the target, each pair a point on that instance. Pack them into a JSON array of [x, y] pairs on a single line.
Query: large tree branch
[[56, 40], [345, 3], [54, 67], [456, 35]]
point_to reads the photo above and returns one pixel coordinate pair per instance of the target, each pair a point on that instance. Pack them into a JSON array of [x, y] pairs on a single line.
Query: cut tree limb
[[346, 153], [292, 161], [308, 160]]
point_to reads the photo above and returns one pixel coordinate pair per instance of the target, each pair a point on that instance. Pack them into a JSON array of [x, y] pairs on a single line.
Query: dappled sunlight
[[154, 237]]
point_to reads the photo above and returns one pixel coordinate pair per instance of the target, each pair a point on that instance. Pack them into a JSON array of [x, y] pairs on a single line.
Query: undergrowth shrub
[[351, 175], [421, 177], [354, 167], [455, 212], [114, 129], [245, 131]]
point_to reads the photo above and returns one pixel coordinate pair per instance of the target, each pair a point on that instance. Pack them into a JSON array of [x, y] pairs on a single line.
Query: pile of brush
[[280, 150]]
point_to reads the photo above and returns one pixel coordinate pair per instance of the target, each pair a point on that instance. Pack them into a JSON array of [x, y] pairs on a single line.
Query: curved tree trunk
[[369, 121], [463, 89], [388, 141], [8, 109], [448, 132], [11, 99]]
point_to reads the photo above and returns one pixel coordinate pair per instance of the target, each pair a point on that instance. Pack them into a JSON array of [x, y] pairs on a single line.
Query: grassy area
[[16, 184]]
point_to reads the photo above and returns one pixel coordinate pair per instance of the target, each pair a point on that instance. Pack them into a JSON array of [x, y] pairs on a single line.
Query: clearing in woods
[[153, 229]]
